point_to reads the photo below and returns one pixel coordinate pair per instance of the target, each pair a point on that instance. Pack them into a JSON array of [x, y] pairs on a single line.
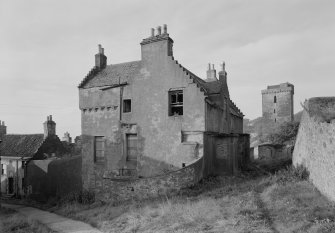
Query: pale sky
[[47, 48]]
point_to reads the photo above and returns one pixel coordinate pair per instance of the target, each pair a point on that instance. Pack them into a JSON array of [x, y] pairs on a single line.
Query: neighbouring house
[[16, 150], [274, 151], [152, 116]]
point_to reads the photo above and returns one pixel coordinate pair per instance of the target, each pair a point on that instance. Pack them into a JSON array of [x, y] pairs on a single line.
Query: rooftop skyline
[[48, 47]]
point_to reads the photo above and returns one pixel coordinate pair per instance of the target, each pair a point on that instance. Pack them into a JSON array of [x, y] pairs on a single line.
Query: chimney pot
[[213, 67], [209, 66], [159, 30], [152, 32], [165, 29], [102, 50], [223, 66]]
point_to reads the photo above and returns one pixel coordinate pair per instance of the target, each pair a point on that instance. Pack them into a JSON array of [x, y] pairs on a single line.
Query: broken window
[[176, 100], [99, 149], [127, 105]]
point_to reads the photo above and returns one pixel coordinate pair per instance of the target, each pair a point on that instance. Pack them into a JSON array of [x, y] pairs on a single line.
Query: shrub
[[292, 174], [82, 197]]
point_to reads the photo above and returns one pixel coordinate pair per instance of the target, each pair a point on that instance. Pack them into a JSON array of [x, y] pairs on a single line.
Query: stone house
[[16, 150], [148, 117], [274, 151]]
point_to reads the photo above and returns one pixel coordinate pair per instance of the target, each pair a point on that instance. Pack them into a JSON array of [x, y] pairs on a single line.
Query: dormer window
[[176, 100]]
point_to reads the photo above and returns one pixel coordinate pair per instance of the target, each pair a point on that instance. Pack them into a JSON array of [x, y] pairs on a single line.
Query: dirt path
[[53, 221]]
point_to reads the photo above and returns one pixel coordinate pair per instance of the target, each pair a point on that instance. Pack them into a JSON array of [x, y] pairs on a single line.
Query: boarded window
[[99, 149], [131, 147], [127, 105], [176, 100]]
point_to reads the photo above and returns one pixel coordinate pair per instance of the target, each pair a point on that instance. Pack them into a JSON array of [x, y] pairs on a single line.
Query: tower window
[[275, 120], [275, 99], [176, 102], [274, 110]]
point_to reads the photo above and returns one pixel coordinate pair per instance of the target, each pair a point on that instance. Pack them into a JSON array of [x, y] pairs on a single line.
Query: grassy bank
[[260, 201]]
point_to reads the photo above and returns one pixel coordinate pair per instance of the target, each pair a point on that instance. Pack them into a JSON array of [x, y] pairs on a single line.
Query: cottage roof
[[20, 145], [111, 75]]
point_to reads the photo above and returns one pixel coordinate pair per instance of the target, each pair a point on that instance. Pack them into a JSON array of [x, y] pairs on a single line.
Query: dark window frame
[[176, 103], [126, 106]]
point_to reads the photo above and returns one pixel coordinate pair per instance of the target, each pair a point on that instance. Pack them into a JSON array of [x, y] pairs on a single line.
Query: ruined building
[[149, 117], [277, 103]]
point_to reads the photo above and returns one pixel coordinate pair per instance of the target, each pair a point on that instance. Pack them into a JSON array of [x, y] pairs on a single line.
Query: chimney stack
[[49, 127], [223, 79], [100, 58], [211, 73], [3, 129], [159, 30], [158, 42]]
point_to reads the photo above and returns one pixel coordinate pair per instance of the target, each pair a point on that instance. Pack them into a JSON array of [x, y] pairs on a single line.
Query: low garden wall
[[121, 189]]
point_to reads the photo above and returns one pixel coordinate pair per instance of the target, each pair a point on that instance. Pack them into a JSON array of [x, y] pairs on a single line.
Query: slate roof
[[111, 74], [20, 145]]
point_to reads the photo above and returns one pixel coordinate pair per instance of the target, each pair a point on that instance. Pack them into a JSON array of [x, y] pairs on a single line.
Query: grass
[[12, 222], [269, 198]]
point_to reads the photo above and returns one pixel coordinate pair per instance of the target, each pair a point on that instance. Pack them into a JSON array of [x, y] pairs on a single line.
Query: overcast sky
[[47, 48]]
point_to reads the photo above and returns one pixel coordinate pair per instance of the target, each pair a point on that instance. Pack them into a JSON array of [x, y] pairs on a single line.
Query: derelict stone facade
[[277, 103], [148, 117]]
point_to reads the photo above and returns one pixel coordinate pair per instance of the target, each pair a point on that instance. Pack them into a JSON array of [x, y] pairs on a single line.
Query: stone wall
[[225, 154], [115, 190], [315, 144], [53, 177]]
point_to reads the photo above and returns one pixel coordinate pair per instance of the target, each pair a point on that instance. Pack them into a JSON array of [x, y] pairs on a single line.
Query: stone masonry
[[277, 103]]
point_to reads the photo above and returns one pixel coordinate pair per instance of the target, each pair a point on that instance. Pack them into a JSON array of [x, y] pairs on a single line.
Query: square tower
[[277, 103]]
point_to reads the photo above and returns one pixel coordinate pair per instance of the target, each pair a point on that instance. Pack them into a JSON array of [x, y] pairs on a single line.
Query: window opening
[[126, 105], [275, 99], [176, 100]]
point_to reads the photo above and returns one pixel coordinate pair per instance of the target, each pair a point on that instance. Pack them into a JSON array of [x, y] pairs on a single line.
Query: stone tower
[[277, 103], [49, 127]]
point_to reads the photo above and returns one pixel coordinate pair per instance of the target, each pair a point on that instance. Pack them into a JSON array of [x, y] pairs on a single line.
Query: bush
[[82, 197], [292, 174], [286, 133]]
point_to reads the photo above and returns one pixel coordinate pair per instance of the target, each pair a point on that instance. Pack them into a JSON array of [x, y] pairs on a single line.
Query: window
[[176, 103], [99, 149], [127, 105], [275, 120], [275, 99], [2, 170], [274, 110]]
